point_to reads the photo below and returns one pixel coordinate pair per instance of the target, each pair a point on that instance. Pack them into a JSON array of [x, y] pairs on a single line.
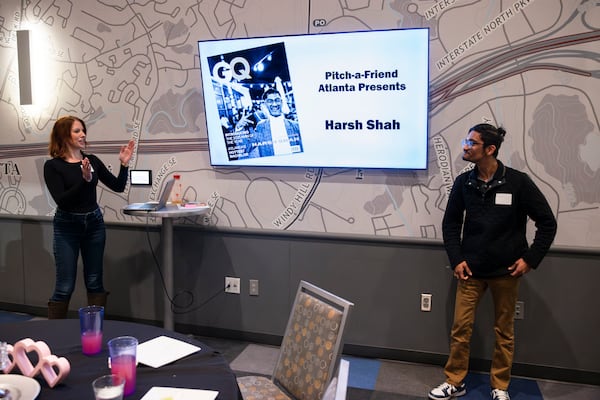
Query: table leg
[[167, 256]]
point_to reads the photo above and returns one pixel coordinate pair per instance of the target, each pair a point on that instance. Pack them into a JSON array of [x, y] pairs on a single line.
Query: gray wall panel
[[384, 281], [203, 260], [561, 313], [130, 273], [38, 263], [11, 262]]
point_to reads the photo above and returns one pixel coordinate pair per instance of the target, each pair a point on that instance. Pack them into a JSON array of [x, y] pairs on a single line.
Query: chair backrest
[[312, 342]]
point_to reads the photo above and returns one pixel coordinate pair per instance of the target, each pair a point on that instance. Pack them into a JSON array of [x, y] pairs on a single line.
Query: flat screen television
[[352, 99]]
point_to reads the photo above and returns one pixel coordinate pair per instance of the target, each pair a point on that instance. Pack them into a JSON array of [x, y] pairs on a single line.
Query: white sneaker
[[499, 394], [447, 391]]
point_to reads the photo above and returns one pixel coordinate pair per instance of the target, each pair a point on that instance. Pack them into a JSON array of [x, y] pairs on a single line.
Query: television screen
[[353, 99]]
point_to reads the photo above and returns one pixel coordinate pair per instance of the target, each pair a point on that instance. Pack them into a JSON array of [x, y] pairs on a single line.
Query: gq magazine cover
[[255, 102]]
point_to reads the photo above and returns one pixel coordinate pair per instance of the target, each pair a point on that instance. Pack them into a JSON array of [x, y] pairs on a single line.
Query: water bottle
[[177, 193]]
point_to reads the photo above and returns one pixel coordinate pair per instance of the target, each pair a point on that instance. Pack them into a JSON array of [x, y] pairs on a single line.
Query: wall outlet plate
[[425, 301], [520, 310], [232, 285], [253, 287]]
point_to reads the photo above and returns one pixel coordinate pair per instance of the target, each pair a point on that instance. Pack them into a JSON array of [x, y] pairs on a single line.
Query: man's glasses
[[470, 143], [273, 101]]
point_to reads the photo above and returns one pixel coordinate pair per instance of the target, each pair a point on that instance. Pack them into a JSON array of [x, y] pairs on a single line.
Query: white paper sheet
[[163, 350], [169, 393]]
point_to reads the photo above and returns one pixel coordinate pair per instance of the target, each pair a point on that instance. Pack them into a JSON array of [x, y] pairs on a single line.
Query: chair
[[310, 350]]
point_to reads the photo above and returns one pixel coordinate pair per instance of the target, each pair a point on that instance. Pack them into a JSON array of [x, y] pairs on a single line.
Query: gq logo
[[238, 69]]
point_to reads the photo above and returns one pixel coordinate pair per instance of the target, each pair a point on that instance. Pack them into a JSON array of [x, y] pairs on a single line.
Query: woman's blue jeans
[[75, 233]]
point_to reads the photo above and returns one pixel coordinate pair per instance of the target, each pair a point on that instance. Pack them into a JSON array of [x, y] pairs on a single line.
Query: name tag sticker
[[504, 199]]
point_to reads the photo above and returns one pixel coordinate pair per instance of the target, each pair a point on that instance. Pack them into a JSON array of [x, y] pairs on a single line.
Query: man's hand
[[462, 271], [519, 268], [244, 122]]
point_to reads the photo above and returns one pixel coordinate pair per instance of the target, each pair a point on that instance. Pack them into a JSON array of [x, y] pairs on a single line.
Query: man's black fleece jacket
[[485, 223]]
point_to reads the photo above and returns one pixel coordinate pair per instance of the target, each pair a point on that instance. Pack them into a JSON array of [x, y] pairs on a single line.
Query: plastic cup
[[109, 387], [123, 351], [90, 320]]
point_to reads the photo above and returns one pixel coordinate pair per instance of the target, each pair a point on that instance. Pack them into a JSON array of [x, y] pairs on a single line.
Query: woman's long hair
[[61, 136]]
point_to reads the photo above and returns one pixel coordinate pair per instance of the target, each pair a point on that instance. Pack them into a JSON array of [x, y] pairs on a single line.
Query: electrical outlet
[[520, 310], [425, 301], [253, 287], [232, 285]]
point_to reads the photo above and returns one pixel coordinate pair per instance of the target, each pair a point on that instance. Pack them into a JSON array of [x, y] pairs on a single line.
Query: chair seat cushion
[[260, 388]]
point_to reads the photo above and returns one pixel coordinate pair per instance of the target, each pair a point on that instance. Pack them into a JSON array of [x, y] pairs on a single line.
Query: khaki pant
[[468, 294]]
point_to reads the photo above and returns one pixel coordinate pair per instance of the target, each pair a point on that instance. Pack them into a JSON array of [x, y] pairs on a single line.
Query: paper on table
[[191, 205], [163, 350], [169, 393]]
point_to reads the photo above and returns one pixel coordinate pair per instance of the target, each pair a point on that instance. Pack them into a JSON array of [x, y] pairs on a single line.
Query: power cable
[[175, 308]]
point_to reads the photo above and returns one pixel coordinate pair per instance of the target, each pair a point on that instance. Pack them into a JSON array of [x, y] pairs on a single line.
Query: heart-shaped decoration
[[21, 358], [50, 365], [11, 358]]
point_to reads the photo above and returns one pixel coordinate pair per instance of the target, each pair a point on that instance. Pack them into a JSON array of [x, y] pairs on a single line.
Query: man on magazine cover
[[275, 134]]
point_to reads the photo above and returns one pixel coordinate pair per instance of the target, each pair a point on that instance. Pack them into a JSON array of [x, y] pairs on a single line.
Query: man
[[484, 229], [274, 135]]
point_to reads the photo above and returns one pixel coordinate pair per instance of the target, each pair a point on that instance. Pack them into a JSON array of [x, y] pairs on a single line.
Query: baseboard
[[25, 309], [252, 337], [43, 313]]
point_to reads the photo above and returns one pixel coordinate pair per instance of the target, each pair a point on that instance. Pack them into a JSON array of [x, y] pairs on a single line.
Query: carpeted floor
[[374, 379], [6, 316]]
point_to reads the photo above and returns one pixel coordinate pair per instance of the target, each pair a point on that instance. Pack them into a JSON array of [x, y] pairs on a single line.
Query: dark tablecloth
[[206, 369]]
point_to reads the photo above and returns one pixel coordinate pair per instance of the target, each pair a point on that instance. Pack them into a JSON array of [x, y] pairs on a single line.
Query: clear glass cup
[[123, 353], [91, 319], [109, 387]]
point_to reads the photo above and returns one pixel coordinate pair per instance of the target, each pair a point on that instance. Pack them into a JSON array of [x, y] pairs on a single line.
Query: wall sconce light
[[24, 61]]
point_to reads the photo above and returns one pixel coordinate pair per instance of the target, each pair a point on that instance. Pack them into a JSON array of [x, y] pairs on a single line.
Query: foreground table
[[206, 369], [167, 215]]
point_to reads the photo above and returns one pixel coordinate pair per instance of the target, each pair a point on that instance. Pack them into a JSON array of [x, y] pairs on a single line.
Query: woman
[[71, 177]]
